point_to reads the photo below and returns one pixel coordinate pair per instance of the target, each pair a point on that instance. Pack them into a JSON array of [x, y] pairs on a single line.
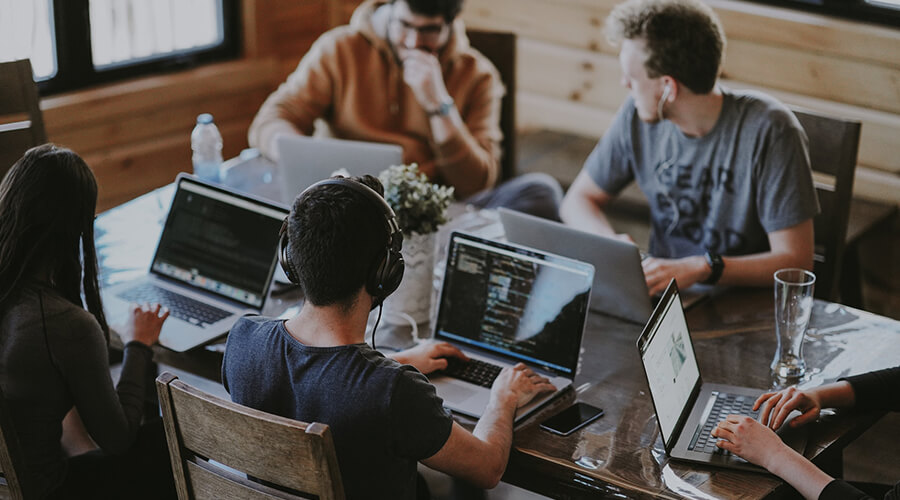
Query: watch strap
[[716, 265], [443, 109]]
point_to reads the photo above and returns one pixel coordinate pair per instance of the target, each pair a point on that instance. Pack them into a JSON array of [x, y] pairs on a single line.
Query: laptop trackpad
[[458, 393]]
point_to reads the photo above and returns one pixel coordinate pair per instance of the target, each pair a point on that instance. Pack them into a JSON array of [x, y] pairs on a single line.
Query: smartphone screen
[[572, 418]]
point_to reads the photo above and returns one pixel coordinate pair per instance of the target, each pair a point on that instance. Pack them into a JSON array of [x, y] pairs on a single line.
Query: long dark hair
[[47, 203]]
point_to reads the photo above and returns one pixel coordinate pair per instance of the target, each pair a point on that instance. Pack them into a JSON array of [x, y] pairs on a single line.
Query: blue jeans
[[534, 194]]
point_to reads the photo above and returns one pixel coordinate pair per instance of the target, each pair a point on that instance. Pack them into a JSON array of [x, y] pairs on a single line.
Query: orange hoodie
[[353, 81]]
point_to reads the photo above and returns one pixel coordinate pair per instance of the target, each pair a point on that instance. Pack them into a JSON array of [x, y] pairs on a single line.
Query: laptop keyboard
[[725, 404], [473, 371], [181, 307]]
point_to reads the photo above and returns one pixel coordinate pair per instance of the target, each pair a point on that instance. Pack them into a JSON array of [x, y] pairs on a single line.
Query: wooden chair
[[833, 146], [287, 459], [12, 464], [500, 49], [21, 121]]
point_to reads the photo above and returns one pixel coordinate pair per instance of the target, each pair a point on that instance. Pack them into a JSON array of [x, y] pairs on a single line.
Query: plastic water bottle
[[206, 142]]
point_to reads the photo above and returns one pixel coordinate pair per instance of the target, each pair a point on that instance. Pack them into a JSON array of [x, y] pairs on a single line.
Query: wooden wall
[[136, 134], [568, 76]]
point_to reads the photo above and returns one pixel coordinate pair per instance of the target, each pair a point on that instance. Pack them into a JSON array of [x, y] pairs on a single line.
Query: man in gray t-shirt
[[726, 173]]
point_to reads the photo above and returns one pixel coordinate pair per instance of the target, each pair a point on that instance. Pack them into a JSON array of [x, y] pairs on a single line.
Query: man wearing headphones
[[341, 244], [726, 172]]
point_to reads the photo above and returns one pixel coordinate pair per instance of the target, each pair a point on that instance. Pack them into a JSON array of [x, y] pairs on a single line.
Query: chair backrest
[[264, 456], [12, 464], [833, 146], [500, 49], [21, 121]]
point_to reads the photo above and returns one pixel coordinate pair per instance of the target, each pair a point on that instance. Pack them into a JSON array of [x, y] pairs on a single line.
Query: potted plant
[[420, 207]]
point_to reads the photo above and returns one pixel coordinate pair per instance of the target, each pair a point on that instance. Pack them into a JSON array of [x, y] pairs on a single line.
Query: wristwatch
[[444, 108], [717, 265]]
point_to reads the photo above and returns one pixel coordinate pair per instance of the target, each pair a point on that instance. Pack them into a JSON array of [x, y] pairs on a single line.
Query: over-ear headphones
[[385, 276]]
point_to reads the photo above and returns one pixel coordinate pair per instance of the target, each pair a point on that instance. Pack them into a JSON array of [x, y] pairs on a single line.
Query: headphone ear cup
[[284, 258], [393, 273], [386, 276]]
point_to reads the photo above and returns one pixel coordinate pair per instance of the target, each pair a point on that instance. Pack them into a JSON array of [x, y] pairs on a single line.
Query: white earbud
[[662, 101]]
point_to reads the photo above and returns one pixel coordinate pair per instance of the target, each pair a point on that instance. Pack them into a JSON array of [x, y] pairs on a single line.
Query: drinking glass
[[793, 305]]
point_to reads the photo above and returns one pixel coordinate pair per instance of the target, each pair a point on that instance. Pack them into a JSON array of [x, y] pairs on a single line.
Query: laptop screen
[[220, 242], [522, 303], [669, 361]]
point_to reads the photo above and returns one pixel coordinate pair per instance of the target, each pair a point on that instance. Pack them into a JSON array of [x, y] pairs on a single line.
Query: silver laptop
[[303, 160], [213, 263], [504, 304], [687, 409], [619, 287]]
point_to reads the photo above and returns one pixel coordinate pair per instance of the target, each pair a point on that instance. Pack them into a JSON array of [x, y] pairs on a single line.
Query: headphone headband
[[386, 276]]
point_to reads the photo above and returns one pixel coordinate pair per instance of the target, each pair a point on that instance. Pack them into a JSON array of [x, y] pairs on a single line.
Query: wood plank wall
[[136, 134], [568, 76]]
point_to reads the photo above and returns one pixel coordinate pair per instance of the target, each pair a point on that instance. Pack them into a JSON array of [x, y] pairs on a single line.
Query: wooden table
[[621, 453]]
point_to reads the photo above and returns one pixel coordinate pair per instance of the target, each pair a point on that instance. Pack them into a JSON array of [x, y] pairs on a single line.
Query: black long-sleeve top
[[878, 390]]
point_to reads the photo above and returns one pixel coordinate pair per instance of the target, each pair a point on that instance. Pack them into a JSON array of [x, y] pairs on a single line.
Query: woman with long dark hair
[[54, 365]]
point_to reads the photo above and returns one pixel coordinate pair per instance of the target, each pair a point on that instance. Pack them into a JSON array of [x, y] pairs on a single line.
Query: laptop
[[687, 409], [213, 263], [619, 287], [303, 160], [503, 304]]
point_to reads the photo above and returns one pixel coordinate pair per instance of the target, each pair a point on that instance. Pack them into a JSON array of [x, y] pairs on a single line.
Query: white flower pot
[[413, 297]]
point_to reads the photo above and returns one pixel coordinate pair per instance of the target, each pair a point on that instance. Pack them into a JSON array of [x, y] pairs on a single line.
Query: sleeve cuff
[[134, 344], [841, 490]]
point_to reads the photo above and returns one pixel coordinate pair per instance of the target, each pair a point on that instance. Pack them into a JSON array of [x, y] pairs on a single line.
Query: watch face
[[446, 107]]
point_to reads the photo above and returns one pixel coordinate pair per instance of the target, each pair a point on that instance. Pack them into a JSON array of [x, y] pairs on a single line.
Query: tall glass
[[793, 305]]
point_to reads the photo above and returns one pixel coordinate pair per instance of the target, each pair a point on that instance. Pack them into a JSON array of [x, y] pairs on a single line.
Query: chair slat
[[19, 105], [292, 455]]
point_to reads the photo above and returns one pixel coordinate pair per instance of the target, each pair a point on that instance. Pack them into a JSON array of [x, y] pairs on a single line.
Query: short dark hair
[[684, 39], [47, 203], [337, 237], [448, 9]]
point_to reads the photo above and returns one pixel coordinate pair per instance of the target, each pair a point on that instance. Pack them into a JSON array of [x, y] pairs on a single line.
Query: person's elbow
[[490, 475]]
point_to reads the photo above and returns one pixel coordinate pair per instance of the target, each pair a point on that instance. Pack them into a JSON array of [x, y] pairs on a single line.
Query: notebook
[[303, 160], [687, 409], [502, 304], [213, 263], [619, 288]]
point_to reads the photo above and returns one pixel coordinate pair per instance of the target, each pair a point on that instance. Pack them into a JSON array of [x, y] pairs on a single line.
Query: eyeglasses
[[427, 31]]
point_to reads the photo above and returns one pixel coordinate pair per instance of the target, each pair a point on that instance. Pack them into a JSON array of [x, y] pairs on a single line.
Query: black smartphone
[[571, 419]]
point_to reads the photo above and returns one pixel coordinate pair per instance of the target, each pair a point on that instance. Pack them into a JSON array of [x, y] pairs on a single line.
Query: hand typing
[[144, 323], [774, 407], [519, 384], [428, 357]]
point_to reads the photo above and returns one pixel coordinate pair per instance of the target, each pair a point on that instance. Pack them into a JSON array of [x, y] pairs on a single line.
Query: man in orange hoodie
[[403, 72]]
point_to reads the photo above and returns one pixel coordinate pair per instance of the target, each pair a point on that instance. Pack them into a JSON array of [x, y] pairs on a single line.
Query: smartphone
[[571, 419]]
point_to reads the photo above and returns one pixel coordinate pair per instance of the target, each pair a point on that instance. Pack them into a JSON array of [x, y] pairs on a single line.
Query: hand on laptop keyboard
[[144, 323], [751, 440], [428, 357], [519, 384]]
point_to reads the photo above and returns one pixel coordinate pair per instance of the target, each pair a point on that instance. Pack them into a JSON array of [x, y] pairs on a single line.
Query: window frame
[[74, 60], [852, 10]]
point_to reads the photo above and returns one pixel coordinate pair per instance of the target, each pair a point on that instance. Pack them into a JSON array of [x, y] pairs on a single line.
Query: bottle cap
[[204, 118]]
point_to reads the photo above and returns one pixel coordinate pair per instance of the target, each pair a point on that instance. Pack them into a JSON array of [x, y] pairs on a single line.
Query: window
[[77, 43], [875, 11]]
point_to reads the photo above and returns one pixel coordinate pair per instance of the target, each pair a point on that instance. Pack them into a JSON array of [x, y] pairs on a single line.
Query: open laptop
[[619, 287], [213, 263], [303, 160], [687, 409], [503, 304]]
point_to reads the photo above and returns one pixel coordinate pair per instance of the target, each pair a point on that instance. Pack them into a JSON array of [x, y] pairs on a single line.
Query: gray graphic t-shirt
[[722, 192]]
